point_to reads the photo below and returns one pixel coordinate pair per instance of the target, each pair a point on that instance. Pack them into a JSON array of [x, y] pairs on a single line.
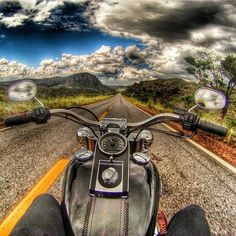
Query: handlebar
[[40, 115], [160, 118], [84, 120], [20, 119], [212, 128]]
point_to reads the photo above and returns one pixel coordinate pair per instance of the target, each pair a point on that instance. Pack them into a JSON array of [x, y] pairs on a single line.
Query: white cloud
[[13, 69], [27, 4], [37, 11], [44, 9], [106, 61], [109, 64], [14, 20], [212, 33]]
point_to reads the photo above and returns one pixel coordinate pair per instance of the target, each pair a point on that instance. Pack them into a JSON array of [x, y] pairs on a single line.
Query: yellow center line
[[105, 113], [42, 186]]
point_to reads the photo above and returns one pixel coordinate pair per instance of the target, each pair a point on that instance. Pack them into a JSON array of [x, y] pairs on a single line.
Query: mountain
[[81, 82]]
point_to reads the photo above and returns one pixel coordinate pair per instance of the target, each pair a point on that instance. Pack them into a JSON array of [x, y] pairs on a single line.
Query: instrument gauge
[[112, 143]]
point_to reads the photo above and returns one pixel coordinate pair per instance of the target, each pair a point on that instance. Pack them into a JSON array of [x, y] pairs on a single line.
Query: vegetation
[[216, 72], [163, 95], [51, 98]]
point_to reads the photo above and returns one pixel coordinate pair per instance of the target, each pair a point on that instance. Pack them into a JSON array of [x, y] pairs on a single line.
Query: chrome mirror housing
[[22, 91], [210, 99]]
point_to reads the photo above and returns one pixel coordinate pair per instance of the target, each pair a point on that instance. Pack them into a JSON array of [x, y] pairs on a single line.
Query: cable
[[83, 108], [76, 121]]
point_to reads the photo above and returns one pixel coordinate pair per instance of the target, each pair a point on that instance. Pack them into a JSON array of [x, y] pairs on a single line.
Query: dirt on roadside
[[213, 143]]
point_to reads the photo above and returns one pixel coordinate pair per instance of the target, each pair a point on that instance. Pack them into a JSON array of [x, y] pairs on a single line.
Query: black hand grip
[[212, 128], [18, 119]]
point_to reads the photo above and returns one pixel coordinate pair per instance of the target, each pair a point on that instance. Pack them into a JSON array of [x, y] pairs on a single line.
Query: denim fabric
[[190, 221], [43, 218]]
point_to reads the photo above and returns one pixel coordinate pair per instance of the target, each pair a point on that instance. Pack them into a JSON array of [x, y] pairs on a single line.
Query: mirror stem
[[193, 108], [41, 104]]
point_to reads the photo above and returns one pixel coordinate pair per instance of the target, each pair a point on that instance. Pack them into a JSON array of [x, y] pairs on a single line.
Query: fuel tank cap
[[140, 158], [110, 175], [84, 154]]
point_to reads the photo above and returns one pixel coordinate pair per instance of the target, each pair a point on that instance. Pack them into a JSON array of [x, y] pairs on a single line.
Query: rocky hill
[[82, 82]]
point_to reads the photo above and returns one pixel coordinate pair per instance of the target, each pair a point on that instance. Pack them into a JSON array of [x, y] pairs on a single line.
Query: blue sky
[[121, 42], [31, 47]]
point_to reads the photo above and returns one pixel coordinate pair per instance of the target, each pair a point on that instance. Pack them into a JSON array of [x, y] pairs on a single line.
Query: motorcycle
[[111, 186]]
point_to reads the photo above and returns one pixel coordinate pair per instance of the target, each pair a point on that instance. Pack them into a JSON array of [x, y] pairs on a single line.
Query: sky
[[121, 42]]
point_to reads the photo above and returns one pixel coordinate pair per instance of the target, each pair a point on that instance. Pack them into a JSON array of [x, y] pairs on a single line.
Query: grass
[[213, 116], [8, 108]]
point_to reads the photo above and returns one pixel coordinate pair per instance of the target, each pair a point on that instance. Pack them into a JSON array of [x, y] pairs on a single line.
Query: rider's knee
[[194, 208]]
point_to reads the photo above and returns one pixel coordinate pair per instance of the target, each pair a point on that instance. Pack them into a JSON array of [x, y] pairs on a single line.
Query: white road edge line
[[1, 130], [209, 153]]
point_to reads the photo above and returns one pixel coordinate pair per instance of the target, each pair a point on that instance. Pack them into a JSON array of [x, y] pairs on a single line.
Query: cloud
[[106, 62], [44, 14], [167, 29], [13, 21], [166, 20], [13, 69], [135, 56], [110, 64]]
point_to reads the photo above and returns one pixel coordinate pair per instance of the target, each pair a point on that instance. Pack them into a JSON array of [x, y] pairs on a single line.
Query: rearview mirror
[[22, 91], [209, 99]]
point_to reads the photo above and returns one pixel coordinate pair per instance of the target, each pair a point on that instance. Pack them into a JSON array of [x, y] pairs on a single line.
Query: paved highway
[[188, 174]]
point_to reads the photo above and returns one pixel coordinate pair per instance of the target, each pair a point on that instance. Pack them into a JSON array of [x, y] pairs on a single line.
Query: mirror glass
[[209, 98], [22, 91]]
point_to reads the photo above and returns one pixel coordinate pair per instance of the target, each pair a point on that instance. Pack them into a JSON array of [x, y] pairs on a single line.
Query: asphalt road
[[189, 175]]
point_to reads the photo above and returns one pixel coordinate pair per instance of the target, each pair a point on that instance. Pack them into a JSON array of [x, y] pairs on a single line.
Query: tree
[[215, 72]]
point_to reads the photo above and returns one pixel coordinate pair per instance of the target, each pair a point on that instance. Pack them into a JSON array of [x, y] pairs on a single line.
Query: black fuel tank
[[87, 215]]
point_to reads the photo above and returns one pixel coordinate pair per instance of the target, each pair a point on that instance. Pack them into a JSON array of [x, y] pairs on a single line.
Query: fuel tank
[[89, 215]]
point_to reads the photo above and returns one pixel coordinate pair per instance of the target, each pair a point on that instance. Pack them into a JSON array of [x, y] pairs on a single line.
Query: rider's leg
[[42, 218], [190, 221]]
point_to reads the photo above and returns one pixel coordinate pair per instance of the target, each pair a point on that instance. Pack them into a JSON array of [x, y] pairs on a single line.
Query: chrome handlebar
[[165, 117]]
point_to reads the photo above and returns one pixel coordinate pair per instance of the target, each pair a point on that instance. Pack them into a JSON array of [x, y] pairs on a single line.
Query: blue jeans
[[44, 218], [190, 221]]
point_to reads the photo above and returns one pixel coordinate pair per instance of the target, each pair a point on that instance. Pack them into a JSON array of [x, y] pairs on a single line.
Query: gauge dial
[[112, 143]]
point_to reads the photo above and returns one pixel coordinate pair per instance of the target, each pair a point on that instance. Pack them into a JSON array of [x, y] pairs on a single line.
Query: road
[[188, 174]]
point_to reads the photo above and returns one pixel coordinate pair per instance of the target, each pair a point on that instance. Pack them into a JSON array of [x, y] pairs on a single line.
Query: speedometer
[[112, 143]]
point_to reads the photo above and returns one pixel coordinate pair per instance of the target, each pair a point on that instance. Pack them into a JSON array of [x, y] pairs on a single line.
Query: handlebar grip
[[18, 119], [212, 128]]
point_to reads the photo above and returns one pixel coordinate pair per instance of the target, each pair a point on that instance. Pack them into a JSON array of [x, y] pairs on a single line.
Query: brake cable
[[76, 121], [85, 109], [170, 133]]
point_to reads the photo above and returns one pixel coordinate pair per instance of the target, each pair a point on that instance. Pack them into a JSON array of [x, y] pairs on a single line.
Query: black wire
[[174, 134], [135, 139], [170, 133], [76, 121], [83, 108]]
